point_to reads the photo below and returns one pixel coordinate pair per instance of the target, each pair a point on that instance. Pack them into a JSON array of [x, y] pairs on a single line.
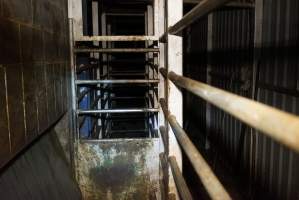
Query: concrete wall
[[41, 173], [33, 70]]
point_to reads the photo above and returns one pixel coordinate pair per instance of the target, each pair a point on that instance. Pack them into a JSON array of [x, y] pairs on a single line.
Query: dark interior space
[[149, 99], [118, 66]]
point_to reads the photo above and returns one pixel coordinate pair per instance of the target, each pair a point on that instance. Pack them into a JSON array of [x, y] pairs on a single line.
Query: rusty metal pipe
[[117, 38], [204, 7], [131, 81], [117, 50], [279, 125], [211, 183], [136, 110], [180, 182], [164, 136]]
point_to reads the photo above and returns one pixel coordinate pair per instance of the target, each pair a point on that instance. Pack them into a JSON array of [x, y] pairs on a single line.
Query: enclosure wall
[[33, 70]]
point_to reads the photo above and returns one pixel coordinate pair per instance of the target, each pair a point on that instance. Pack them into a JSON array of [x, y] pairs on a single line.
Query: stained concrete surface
[[40, 173], [119, 170]]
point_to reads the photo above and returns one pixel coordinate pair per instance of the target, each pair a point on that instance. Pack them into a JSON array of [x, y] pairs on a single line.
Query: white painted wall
[[175, 64], [75, 12]]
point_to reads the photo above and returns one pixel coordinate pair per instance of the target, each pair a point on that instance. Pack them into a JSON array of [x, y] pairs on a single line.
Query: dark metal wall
[[33, 70], [265, 168], [274, 166]]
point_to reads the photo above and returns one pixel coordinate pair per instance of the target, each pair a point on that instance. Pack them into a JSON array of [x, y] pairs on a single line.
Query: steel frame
[[103, 80]]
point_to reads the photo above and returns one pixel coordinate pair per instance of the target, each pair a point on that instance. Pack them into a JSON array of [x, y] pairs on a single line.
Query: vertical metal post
[[104, 71], [95, 29], [162, 55], [73, 96], [147, 68], [175, 64], [160, 7], [150, 57]]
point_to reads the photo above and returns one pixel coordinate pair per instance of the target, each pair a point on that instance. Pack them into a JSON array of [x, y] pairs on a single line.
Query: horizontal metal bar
[[126, 38], [133, 110], [204, 7], [125, 62], [180, 182], [118, 140], [279, 125], [117, 50], [127, 74], [118, 72], [125, 14], [211, 183], [128, 98], [84, 82], [141, 118], [127, 131]]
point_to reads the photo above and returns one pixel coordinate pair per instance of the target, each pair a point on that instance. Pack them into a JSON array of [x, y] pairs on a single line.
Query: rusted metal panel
[[118, 169]]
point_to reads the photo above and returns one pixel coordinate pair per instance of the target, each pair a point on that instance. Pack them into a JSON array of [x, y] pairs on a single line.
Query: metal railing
[[117, 50], [117, 38], [281, 126], [103, 80], [208, 178]]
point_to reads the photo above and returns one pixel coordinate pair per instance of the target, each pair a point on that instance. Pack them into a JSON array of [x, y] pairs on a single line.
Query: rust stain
[[118, 170]]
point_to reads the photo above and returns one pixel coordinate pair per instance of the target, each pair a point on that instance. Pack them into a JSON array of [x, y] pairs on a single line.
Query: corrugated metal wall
[[274, 166], [267, 168]]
